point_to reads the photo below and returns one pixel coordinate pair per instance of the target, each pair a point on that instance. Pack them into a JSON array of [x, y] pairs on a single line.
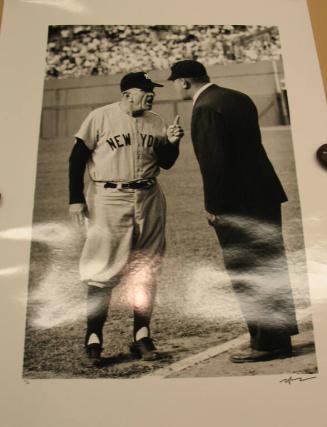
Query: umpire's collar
[[202, 89]]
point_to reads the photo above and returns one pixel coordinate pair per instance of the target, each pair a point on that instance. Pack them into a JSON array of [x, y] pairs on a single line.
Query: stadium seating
[[76, 51]]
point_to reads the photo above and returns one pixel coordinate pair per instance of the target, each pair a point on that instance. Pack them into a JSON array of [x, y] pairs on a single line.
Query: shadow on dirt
[[303, 348], [128, 358], [115, 360]]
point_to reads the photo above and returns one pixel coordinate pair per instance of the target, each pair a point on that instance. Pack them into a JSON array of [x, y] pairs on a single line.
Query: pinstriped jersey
[[122, 146]]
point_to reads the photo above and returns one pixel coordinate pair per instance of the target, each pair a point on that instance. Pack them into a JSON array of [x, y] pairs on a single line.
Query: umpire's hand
[[78, 213], [175, 131], [213, 219]]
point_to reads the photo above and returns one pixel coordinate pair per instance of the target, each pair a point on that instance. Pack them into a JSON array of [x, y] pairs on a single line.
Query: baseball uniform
[[123, 151]]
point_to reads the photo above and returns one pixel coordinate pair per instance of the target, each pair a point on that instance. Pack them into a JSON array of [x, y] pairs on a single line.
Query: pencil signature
[[290, 379]]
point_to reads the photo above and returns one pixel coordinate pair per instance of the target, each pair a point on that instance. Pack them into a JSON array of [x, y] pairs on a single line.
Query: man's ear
[[127, 96], [186, 84]]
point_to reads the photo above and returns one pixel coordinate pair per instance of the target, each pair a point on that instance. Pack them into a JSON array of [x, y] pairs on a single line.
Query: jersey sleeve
[[90, 130], [166, 152], [77, 163]]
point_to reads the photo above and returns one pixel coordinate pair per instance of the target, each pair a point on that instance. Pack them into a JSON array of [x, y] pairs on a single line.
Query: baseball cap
[[138, 80], [187, 68]]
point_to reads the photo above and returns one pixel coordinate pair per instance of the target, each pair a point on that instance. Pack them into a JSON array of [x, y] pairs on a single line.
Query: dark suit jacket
[[236, 171]]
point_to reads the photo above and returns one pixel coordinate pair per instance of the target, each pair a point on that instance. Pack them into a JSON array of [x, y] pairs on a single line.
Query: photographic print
[[211, 309], [167, 234]]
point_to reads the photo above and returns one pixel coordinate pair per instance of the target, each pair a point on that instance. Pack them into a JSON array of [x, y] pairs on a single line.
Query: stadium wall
[[66, 102]]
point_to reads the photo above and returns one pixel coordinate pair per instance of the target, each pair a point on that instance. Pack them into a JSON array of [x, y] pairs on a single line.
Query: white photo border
[[241, 401]]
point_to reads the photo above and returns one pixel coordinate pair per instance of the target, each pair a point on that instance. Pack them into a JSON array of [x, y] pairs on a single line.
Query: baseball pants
[[125, 233]]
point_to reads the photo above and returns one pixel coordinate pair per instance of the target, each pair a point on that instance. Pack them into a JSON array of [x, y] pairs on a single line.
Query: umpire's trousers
[[254, 255]]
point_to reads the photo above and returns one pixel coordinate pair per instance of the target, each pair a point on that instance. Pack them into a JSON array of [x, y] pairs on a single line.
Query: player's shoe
[[93, 354], [144, 349]]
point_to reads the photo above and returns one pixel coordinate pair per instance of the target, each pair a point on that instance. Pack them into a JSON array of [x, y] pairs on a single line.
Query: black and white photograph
[[162, 214], [167, 237]]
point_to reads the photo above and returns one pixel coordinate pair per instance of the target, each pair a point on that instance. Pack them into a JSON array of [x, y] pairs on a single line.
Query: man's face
[[179, 85], [141, 100]]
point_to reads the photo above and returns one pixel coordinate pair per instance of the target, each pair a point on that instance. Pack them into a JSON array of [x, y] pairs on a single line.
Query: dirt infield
[[195, 308], [302, 363], [215, 361]]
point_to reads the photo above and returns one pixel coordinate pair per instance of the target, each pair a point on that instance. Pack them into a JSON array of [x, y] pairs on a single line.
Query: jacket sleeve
[[207, 136], [77, 163], [167, 153]]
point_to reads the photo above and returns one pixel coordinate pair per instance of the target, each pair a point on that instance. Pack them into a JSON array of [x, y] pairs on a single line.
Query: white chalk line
[[211, 352]]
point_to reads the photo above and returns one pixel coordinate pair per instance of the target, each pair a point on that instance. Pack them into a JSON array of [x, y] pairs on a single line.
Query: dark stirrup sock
[[141, 320], [97, 311]]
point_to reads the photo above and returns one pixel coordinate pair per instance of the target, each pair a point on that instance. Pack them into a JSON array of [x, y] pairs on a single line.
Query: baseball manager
[[123, 145]]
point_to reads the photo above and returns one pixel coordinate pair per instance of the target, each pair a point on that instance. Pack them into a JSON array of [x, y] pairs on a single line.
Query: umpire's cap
[[138, 80], [187, 68]]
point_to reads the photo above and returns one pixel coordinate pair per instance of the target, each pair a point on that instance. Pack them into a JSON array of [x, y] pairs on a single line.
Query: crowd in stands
[[75, 51]]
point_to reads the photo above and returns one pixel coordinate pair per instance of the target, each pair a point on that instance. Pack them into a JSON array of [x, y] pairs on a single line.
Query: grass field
[[195, 307]]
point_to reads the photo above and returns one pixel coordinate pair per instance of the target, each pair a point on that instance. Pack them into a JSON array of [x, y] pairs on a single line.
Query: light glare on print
[[74, 6], [202, 290]]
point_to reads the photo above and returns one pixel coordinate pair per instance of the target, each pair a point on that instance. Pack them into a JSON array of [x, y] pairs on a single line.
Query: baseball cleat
[[93, 354], [144, 349]]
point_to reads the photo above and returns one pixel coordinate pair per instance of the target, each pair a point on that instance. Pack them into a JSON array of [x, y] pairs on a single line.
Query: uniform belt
[[133, 185]]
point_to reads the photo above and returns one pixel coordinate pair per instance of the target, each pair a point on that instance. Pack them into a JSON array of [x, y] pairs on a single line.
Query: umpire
[[243, 198]]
